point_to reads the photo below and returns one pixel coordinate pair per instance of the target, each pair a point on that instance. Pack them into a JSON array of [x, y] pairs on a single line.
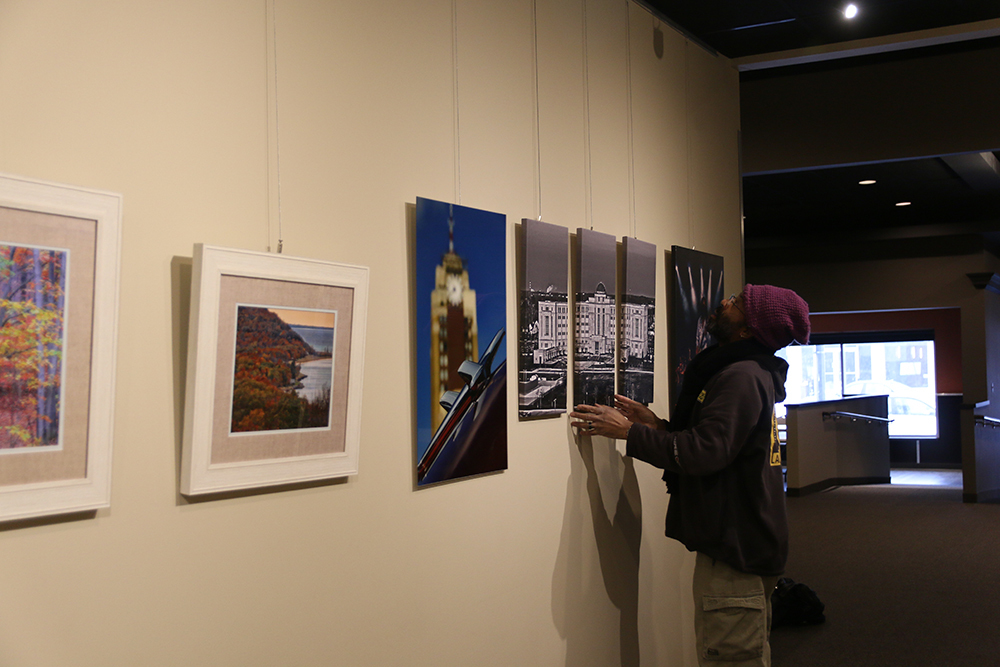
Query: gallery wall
[[316, 125]]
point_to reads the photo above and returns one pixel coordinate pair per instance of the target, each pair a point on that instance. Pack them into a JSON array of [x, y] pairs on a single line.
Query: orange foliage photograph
[[32, 319]]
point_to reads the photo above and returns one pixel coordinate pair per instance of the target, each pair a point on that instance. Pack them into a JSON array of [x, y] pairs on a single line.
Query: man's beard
[[721, 329]]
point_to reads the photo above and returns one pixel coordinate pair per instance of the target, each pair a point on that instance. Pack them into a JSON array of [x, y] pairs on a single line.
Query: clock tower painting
[[460, 306], [454, 334]]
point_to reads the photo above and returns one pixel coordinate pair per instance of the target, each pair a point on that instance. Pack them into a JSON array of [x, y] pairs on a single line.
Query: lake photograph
[[283, 368]]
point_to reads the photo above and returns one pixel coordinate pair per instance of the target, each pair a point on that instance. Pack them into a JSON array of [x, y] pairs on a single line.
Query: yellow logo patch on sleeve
[[701, 396], [775, 442]]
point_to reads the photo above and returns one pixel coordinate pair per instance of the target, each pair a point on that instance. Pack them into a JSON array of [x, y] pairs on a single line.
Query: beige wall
[[559, 560]]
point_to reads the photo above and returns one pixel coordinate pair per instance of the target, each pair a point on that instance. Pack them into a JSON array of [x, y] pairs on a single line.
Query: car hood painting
[[461, 319]]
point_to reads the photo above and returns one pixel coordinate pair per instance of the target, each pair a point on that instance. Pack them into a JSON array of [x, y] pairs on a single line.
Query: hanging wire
[[588, 176], [631, 130], [277, 128], [687, 137], [267, 117], [538, 121], [458, 138]]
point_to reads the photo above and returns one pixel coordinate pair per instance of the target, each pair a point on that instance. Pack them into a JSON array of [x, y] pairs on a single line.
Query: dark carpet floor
[[909, 576]]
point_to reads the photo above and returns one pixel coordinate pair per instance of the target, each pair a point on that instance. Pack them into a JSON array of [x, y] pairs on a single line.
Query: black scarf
[[702, 369], [705, 365]]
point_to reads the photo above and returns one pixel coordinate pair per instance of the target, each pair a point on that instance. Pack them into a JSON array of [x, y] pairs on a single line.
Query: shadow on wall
[[591, 598]]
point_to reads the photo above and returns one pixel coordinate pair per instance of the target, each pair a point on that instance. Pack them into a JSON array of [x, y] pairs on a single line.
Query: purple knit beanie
[[776, 316]]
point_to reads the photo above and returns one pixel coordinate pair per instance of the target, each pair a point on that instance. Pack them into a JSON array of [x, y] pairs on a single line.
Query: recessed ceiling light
[[850, 11], [868, 182], [903, 203]]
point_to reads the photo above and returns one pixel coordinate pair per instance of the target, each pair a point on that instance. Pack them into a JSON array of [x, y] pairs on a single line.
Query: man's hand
[[600, 420], [636, 412]]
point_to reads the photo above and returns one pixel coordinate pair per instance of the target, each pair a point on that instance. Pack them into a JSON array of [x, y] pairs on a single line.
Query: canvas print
[[460, 288], [32, 321], [283, 368], [636, 340], [697, 291], [596, 325], [544, 315]]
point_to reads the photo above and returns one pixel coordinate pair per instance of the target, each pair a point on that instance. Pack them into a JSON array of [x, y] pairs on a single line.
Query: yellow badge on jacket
[[701, 396], [775, 442]]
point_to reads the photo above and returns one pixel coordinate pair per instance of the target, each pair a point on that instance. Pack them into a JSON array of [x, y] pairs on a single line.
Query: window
[[902, 370], [813, 373]]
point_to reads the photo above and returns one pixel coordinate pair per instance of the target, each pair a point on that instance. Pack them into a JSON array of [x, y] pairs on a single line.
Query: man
[[723, 467]]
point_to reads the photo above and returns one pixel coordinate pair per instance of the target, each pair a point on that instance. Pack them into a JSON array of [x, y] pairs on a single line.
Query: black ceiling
[[737, 28], [824, 214], [954, 208]]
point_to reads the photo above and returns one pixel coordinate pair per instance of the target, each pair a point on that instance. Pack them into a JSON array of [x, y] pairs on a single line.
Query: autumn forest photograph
[[283, 369], [32, 320]]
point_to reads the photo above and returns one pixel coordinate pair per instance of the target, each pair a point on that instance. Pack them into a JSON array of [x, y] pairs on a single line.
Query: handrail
[[983, 420], [853, 416]]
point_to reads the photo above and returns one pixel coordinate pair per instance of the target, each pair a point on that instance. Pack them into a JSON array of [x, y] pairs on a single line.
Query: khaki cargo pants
[[732, 615]]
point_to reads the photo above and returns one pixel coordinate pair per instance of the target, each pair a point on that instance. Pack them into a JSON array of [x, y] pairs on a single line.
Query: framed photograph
[[596, 321], [544, 320], [59, 271], [697, 292], [636, 342], [460, 292], [276, 350]]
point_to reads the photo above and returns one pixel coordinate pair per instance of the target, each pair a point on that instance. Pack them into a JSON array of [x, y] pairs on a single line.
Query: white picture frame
[[32, 209], [215, 458]]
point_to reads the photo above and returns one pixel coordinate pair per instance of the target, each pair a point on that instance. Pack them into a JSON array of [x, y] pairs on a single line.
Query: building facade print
[[595, 323], [635, 325], [553, 327]]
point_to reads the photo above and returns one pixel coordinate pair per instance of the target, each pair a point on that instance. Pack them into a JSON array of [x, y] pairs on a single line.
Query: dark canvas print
[[461, 317], [635, 368], [594, 363], [544, 320], [697, 291]]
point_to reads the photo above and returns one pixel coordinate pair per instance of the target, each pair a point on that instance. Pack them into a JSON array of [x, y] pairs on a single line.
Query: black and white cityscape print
[[596, 321], [635, 367], [544, 320]]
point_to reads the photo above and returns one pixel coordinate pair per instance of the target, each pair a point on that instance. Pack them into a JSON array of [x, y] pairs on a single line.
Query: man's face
[[728, 321]]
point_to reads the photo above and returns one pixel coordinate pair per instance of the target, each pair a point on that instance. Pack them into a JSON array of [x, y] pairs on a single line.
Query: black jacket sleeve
[[723, 421]]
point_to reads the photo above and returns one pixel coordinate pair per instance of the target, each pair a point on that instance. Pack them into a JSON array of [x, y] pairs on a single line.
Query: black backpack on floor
[[795, 604]]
